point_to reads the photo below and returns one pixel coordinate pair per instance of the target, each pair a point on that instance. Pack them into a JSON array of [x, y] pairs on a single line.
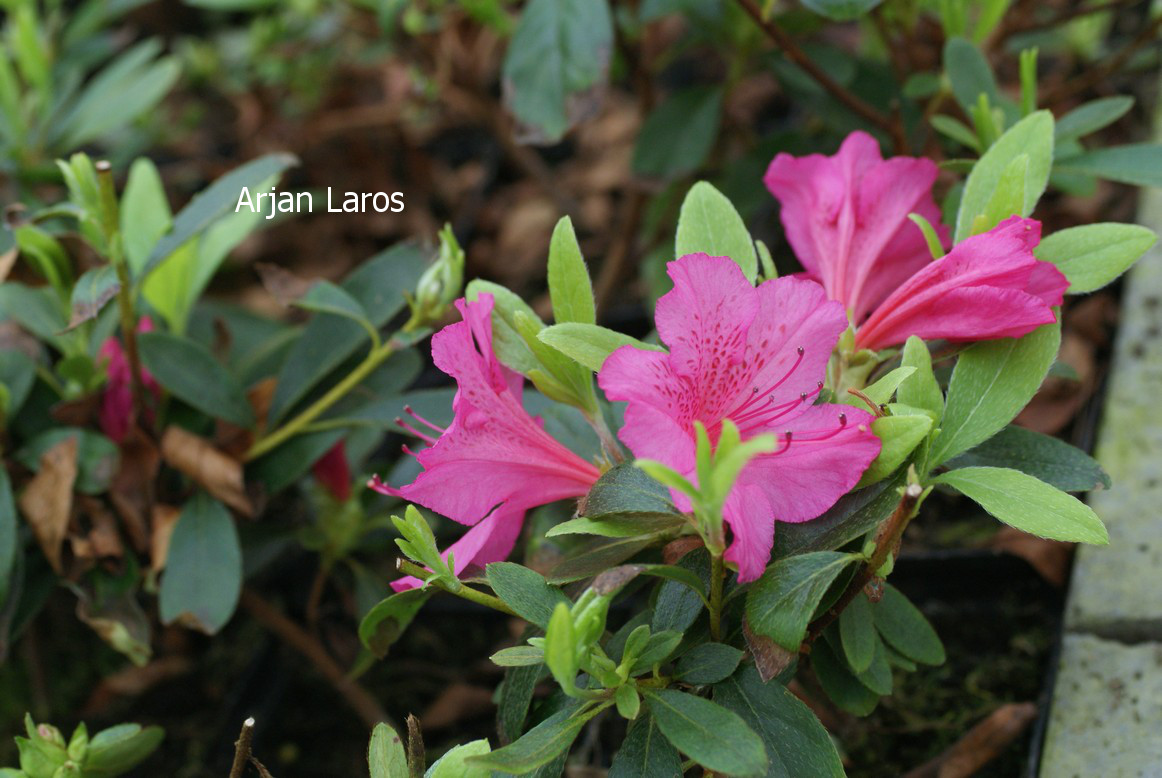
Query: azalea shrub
[[695, 529]]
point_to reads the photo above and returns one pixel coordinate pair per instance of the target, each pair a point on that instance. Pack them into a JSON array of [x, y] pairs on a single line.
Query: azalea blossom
[[756, 356], [989, 286], [116, 407], [333, 472], [494, 461], [846, 219]]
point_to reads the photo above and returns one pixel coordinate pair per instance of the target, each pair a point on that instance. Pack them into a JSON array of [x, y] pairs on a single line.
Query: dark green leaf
[[189, 372], [516, 694], [708, 663], [215, 201], [1091, 117], [678, 135], [1046, 458], [781, 603], [844, 689], [560, 51], [970, 74], [677, 605], [525, 591], [596, 557], [8, 546], [1138, 164], [645, 753], [384, 623], [905, 629], [17, 375], [708, 733], [92, 291], [625, 490], [797, 744], [855, 514], [858, 633], [121, 748], [97, 456], [203, 569], [841, 10]]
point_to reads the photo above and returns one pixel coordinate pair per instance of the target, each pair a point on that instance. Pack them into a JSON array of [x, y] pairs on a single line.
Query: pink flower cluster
[[755, 356]]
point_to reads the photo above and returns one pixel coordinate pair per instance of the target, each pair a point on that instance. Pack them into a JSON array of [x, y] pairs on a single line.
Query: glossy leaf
[[589, 344]]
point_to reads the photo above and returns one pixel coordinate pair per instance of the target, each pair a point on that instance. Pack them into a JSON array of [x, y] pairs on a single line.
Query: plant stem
[[853, 102], [466, 592], [242, 749], [374, 359], [887, 542], [717, 574]]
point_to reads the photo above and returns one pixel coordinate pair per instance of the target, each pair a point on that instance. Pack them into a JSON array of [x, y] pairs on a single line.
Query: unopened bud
[[440, 284]]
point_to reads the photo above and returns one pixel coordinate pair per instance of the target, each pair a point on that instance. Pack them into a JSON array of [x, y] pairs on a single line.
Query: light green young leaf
[[882, 390], [570, 289], [454, 764], [899, 437], [1028, 504], [1093, 255], [145, 214], [518, 656], [385, 754], [1008, 198], [935, 245], [920, 389], [708, 223], [589, 344], [1032, 136], [957, 131], [991, 383]]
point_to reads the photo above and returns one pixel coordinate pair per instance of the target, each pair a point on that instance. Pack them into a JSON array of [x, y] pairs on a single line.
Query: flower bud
[[440, 284]]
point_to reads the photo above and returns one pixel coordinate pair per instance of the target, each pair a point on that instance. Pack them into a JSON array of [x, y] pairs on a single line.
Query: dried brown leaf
[[132, 489], [218, 473], [770, 658], [165, 518], [47, 501]]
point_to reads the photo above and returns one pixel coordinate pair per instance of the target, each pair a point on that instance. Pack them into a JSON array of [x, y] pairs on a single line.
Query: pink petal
[[491, 540], [988, 286], [333, 472], [846, 217], [748, 514]]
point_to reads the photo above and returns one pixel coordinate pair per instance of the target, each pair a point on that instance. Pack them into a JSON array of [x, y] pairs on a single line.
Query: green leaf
[[1138, 164], [708, 223], [657, 649], [145, 214], [325, 297], [796, 743], [855, 514], [98, 458], [905, 629], [1046, 458], [630, 526], [17, 376], [8, 538], [844, 689], [899, 437], [515, 697], [841, 10], [714, 737], [627, 700], [708, 663], [518, 656], [570, 289], [781, 603], [561, 648], [969, 74], [188, 371], [678, 134], [990, 385], [1028, 504], [1093, 255], [540, 745], [525, 591], [597, 556], [203, 570], [1091, 117], [385, 754], [858, 633], [645, 753], [1033, 136], [1008, 198], [877, 676], [384, 623], [589, 344], [454, 764], [119, 749], [678, 605], [625, 491], [882, 390], [508, 344], [560, 51], [378, 286], [213, 202], [93, 290], [920, 390]]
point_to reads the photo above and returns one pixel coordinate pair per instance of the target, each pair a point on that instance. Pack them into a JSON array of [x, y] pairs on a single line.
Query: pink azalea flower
[[333, 472], [846, 218], [494, 461], [988, 286], [116, 408], [755, 356]]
